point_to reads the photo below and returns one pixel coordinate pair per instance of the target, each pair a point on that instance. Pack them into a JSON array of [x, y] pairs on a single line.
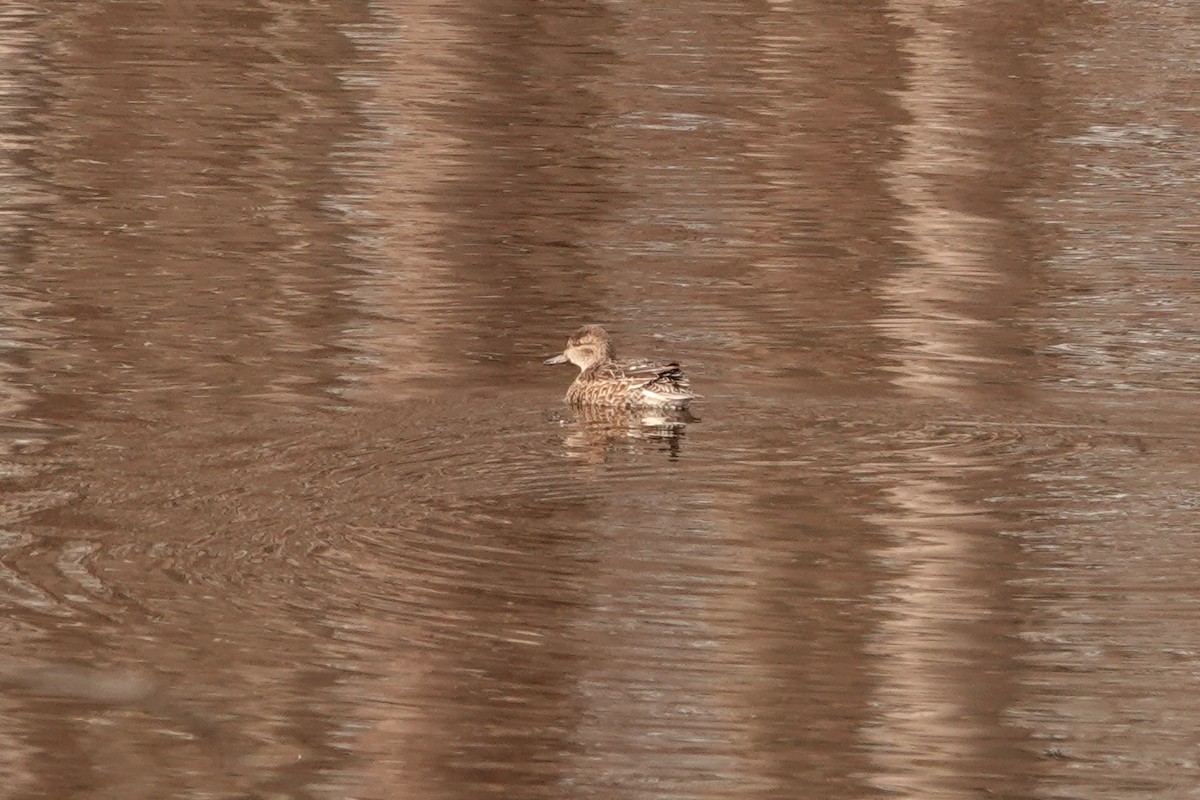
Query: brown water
[[292, 509]]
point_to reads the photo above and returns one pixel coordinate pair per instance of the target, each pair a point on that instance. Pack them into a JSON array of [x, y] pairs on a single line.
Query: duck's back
[[632, 383]]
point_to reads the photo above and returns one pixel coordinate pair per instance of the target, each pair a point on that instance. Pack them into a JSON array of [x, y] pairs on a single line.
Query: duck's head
[[587, 347]]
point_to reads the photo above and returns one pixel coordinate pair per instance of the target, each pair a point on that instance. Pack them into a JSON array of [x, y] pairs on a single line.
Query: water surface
[[291, 507]]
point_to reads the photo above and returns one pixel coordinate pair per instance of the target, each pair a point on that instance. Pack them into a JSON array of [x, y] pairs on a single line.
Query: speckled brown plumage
[[632, 383]]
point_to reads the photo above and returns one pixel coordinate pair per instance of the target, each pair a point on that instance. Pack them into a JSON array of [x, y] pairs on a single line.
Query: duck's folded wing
[[650, 370], [665, 380]]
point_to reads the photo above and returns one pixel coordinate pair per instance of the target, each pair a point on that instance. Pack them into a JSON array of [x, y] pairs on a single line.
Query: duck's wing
[[663, 381]]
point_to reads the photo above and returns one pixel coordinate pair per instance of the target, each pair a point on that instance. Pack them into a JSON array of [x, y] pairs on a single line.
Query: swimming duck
[[631, 383]]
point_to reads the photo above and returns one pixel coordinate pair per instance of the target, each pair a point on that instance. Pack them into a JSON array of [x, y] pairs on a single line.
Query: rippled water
[[291, 507]]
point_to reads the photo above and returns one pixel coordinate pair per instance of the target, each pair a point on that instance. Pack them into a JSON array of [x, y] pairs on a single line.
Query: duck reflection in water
[[599, 431]]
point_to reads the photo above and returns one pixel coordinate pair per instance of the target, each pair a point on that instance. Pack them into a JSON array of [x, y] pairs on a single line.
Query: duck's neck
[[594, 367]]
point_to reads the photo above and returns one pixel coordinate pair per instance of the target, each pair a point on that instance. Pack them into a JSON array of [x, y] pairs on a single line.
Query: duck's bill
[[561, 358]]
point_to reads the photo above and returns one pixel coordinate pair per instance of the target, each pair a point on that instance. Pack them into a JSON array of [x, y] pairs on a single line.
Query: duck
[[604, 380]]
